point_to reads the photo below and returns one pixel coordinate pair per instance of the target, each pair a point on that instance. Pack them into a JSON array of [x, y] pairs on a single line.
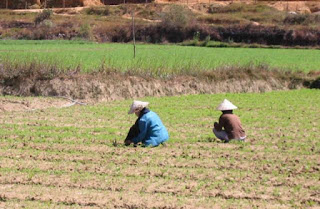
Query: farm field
[[91, 56], [67, 158]]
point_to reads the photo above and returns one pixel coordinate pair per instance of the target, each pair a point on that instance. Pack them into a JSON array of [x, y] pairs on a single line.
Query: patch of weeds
[[102, 11], [85, 32], [44, 15], [176, 16], [3, 198]]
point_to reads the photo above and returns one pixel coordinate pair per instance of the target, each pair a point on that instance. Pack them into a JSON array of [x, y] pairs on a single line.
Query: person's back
[[232, 126], [148, 128], [229, 126], [156, 132]]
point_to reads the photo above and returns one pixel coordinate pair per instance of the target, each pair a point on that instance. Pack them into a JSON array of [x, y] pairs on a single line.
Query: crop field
[[74, 158], [91, 56]]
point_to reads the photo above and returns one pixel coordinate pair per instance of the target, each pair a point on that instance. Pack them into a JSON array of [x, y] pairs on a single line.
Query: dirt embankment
[[114, 86]]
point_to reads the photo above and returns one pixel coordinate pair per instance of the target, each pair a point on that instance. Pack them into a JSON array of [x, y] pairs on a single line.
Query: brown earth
[[118, 86], [31, 103], [88, 89], [296, 6], [92, 2]]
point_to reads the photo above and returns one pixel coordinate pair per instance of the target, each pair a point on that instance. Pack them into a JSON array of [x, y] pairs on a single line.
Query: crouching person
[[148, 128], [229, 126]]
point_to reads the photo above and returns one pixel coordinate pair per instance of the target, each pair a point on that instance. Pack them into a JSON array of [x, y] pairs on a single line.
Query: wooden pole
[[64, 4], [133, 36]]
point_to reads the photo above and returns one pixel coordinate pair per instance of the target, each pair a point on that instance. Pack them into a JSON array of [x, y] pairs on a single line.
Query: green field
[[91, 56], [65, 158]]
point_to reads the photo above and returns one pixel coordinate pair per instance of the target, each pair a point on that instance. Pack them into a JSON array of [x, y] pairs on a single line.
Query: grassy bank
[[90, 56]]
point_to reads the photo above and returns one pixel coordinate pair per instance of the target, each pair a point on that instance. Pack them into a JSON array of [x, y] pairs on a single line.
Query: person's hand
[[127, 142]]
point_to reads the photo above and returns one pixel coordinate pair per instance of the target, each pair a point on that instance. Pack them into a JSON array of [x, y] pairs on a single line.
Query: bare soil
[[293, 6], [117, 86], [31, 104]]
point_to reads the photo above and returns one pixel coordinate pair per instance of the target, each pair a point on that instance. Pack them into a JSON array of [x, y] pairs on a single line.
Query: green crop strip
[[90, 56], [71, 149]]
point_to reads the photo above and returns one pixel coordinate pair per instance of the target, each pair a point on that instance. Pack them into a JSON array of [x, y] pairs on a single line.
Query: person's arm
[[219, 126], [143, 131]]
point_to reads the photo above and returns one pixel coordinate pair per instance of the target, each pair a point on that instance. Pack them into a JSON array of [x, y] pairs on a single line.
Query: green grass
[[91, 56], [65, 157]]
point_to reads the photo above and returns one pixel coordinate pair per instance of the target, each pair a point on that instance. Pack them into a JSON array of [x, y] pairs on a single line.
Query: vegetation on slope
[[158, 23]]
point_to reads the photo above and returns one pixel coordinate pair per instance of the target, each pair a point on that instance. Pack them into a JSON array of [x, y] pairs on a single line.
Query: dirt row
[[195, 172], [196, 169], [105, 199], [117, 86], [54, 180]]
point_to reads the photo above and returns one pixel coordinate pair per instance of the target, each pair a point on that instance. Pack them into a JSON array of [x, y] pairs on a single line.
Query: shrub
[[207, 40], [102, 11], [214, 8], [295, 19], [231, 8], [196, 37], [176, 17], [47, 24], [301, 19], [44, 15], [85, 31], [315, 84]]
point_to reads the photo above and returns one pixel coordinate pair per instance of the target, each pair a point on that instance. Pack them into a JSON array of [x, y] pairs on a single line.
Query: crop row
[[92, 57], [67, 157]]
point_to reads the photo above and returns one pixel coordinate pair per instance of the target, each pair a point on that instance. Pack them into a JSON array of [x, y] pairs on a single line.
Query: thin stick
[[133, 36], [72, 100]]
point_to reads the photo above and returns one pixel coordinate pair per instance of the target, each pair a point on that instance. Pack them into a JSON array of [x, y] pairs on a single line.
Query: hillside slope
[[92, 2]]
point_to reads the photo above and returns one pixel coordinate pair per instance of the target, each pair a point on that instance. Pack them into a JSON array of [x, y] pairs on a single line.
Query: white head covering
[[137, 105], [226, 105]]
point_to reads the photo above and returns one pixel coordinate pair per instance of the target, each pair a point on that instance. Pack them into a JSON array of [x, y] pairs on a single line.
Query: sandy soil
[[56, 11], [32, 103], [92, 2]]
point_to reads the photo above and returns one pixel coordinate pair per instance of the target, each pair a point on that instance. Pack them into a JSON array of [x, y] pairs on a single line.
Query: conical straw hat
[[137, 105], [226, 105]]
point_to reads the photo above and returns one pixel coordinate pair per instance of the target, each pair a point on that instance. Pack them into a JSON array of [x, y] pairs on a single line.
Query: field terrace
[[74, 157]]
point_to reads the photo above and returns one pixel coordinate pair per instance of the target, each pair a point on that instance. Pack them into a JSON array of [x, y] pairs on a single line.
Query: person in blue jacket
[[148, 128]]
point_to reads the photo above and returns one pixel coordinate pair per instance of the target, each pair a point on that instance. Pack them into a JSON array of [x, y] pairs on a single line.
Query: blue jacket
[[152, 131]]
